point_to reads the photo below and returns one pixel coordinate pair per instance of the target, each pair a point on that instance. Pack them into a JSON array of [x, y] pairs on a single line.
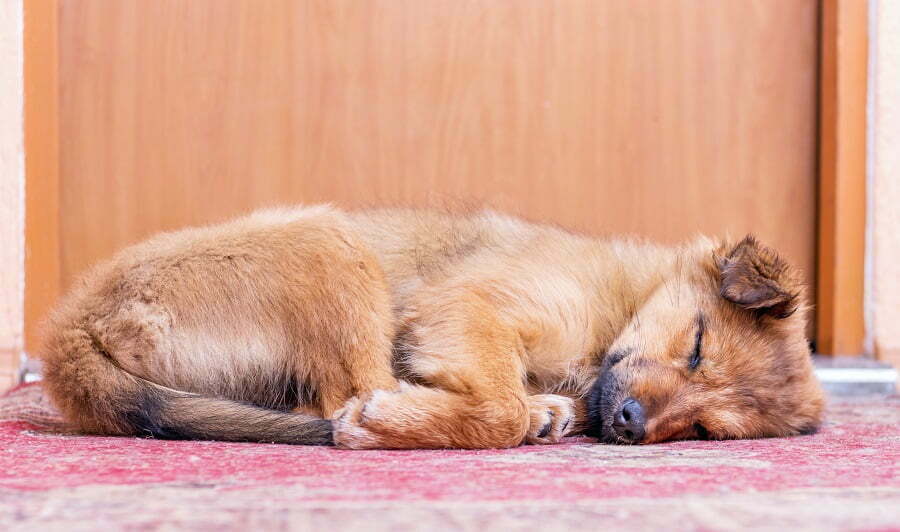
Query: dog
[[402, 328]]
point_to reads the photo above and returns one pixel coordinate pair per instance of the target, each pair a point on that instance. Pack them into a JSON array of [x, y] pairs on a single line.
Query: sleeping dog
[[422, 329]]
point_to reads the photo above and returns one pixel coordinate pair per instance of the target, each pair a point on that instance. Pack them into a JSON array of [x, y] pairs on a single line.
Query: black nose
[[629, 421]]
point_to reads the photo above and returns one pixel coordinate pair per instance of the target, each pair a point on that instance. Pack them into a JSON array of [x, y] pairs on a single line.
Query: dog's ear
[[754, 277]]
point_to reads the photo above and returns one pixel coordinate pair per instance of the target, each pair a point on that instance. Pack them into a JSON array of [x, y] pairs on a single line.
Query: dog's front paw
[[550, 417]]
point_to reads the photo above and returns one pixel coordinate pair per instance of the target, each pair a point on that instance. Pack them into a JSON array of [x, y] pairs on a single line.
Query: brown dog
[[295, 325]]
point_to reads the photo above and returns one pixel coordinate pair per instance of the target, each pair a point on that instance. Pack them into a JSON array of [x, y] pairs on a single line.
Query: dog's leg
[[421, 417], [363, 367], [345, 332], [471, 361]]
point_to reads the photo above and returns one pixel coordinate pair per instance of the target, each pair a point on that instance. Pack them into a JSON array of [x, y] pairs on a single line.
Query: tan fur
[[496, 328]]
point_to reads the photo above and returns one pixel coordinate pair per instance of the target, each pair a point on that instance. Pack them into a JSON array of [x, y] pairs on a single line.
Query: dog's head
[[718, 351]]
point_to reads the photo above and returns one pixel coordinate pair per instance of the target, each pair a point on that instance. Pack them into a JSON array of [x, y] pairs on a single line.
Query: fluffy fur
[[421, 329]]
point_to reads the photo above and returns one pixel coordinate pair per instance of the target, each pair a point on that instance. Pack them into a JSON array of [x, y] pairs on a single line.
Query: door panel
[[663, 119]]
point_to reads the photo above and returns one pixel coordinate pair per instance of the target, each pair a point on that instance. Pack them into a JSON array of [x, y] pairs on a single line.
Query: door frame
[[42, 216], [841, 249]]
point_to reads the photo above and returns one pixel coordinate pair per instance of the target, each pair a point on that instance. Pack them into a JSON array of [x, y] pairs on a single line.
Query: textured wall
[[12, 187], [885, 185]]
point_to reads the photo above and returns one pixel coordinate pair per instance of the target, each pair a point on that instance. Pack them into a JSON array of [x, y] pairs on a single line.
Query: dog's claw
[[546, 430]]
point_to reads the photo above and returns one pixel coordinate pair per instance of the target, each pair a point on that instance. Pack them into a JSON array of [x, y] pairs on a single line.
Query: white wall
[[12, 187], [884, 184]]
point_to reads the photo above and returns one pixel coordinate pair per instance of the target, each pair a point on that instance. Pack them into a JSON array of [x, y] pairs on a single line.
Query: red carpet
[[846, 477]]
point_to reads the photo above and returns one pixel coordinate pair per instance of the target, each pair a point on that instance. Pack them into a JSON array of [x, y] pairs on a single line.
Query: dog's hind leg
[[344, 330]]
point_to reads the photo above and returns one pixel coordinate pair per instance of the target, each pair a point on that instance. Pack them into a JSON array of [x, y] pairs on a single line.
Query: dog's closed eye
[[696, 354]]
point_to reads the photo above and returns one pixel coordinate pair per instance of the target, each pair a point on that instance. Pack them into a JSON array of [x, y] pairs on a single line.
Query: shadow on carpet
[[846, 477]]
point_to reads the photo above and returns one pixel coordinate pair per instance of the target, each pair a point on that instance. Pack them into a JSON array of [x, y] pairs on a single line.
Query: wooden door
[[663, 119]]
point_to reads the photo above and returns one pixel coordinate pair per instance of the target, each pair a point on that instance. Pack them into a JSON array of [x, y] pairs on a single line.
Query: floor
[[846, 477]]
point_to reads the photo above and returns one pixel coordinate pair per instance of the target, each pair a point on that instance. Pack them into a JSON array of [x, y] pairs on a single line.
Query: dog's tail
[[99, 396], [167, 414]]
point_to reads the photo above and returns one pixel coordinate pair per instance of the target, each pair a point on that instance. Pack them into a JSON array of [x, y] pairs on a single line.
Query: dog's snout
[[629, 421]]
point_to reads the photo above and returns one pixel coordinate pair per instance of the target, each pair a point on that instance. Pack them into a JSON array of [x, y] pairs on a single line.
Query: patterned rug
[[846, 477]]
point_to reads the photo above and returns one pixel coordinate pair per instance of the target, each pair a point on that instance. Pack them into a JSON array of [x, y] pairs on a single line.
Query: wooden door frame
[[843, 72], [42, 217], [841, 175]]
